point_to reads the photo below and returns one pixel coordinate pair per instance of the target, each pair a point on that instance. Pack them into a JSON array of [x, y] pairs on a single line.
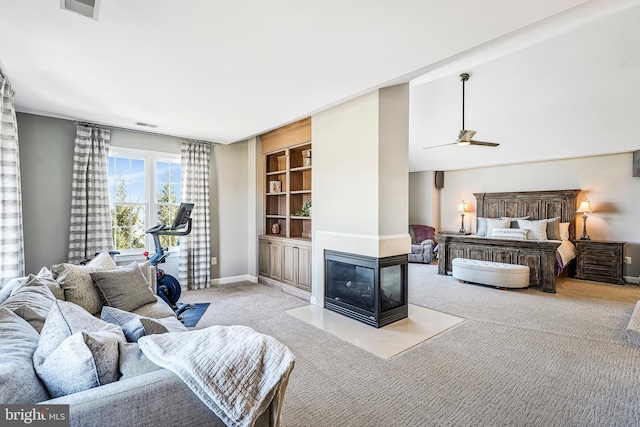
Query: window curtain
[[194, 268], [11, 235], [90, 229]]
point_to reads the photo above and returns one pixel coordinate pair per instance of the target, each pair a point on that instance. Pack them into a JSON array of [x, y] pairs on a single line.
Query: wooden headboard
[[536, 204]]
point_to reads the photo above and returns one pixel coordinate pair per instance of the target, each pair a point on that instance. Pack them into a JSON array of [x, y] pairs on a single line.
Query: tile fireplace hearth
[[371, 290]]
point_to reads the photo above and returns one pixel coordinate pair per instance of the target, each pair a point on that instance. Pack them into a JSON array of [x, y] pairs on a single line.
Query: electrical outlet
[[627, 260], [214, 260]]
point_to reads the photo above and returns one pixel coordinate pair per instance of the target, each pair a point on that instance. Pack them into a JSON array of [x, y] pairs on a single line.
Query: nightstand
[[599, 260]]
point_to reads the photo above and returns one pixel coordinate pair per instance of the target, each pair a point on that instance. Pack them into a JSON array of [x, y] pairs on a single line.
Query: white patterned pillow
[[509, 233], [537, 228], [496, 223]]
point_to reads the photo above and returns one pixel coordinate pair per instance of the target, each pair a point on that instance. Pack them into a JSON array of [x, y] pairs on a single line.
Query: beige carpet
[[384, 342], [520, 358]]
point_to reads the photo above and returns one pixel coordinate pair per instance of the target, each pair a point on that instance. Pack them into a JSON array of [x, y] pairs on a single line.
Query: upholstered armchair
[[422, 243]]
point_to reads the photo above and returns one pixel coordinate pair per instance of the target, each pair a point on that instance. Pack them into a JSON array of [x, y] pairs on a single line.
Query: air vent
[[147, 125], [88, 8]]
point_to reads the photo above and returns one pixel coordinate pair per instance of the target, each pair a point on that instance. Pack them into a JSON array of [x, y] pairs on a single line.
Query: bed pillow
[[125, 288], [564, 230], [537, 228], [513, 221], [496, 223], [509, 233], [482, 227], [77, 284], [553, 228]]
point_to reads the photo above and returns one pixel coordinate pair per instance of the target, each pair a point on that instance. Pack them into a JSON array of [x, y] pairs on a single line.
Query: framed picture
[[275, 186]]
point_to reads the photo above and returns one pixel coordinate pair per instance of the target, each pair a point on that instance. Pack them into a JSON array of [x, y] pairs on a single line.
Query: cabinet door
[[304, 268], [289, 264], [264, 258], [275, 260]]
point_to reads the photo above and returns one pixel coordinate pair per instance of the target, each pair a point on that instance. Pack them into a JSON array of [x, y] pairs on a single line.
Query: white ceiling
[[224, 71]]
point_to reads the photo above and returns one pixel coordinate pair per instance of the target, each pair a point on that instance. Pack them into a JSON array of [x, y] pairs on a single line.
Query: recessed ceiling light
[[88, 8]]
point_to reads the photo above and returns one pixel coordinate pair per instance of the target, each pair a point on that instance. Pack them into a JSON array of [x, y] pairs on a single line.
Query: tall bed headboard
[[536, 204]]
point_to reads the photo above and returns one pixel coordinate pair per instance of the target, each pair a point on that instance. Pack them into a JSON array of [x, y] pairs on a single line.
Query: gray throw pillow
[[31, 300], [482, 227], [553, 228], [135, 326], [77, 284], [133, 362], [19, 383], [124, 288], [76, 351]]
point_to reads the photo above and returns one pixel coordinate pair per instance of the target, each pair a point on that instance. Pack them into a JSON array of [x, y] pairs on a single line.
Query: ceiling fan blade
[[441, 145], [486, 144]]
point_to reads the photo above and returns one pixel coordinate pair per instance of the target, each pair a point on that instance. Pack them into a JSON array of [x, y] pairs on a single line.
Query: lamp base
[[585, 238]]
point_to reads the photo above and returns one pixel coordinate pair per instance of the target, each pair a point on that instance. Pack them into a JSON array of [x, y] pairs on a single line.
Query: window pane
[[162, 170], [137, 192], [121, 191], [122, 167], [175, 172], [137, 170], [176, 190]]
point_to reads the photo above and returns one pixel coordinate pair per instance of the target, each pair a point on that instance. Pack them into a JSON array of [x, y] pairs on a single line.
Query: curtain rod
[[145, 132]]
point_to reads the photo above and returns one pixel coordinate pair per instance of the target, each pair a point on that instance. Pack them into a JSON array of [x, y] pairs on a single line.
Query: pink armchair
[[422, 243]]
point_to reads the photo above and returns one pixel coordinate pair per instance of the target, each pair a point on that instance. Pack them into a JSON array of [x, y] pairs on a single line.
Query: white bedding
[[566, 250]]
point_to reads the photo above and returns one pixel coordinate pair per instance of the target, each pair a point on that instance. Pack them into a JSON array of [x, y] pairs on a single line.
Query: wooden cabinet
[[296, 265], [270, 262], [285, 247], [600, 261]]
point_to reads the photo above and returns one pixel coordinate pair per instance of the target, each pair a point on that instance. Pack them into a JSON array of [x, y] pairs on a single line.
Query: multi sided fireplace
[[371, 290]]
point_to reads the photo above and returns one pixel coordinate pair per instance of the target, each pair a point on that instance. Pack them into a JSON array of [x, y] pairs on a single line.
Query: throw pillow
[[19, 383], [509, 233], [564, 230], [124, 288], [76, 351], [513, 221], [31, 300], [135, 326], [77, 284], [496, 223], [553, 228], [537, 228], [133, 362]]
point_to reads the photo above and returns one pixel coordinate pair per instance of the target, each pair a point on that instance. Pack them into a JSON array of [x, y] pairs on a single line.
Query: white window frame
[[150, 158]]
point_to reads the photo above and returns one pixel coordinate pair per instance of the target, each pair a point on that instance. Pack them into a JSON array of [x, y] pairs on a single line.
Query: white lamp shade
[[463, 207], [585, 207]]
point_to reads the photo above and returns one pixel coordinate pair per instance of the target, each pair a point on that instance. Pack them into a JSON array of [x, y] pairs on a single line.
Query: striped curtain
[[90, 229], [11, 236], [194, 268]]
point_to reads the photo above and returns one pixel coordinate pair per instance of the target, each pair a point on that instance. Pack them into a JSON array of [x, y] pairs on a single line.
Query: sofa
[[422, 243], [69, 335]]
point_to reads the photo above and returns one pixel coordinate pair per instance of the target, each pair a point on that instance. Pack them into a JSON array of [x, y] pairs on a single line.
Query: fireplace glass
[[372, 290]]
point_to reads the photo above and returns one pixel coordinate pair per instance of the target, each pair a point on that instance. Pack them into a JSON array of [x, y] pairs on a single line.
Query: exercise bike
[[168, 286]]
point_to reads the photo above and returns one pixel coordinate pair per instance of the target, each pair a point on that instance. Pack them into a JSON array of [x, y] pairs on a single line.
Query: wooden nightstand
[[600, 261]]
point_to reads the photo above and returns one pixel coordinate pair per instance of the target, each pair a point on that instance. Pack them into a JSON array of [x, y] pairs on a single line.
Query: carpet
[[192, 316], [385, 342], [521, 358]]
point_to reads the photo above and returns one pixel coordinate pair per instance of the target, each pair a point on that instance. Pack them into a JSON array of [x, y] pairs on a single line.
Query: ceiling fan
[[465, 136]]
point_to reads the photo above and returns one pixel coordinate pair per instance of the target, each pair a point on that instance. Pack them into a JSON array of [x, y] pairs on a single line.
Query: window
[[144, 190]]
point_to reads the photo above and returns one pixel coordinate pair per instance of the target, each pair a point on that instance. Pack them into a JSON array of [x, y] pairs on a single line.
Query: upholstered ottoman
[[498, 274]]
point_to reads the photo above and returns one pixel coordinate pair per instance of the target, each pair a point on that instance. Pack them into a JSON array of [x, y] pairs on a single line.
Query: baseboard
[[632, 279], [233, 279]]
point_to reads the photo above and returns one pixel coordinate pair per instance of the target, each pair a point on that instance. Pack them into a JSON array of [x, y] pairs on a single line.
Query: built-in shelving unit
[[285, 250]]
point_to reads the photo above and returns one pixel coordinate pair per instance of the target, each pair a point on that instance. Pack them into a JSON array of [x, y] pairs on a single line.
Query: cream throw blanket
[[234, 370]]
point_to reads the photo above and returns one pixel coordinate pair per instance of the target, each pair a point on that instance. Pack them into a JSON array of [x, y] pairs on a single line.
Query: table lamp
[[584, 209], [463, 207]]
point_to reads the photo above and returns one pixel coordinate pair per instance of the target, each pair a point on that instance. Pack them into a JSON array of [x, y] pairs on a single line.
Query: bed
[[546, 259]]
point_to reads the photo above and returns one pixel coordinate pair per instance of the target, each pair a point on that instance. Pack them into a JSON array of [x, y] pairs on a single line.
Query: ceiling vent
[[88, 8], [148, 125]]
